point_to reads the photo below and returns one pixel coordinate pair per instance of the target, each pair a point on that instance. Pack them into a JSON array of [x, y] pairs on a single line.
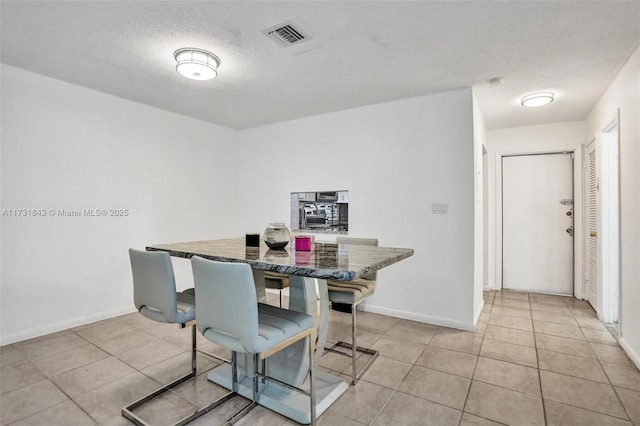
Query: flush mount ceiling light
[[196, 64], [537, 99]]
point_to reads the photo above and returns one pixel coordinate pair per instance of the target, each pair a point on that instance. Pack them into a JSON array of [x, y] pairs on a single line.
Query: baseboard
[[63, 325], [429, 319], [635, 356], [487, 288]]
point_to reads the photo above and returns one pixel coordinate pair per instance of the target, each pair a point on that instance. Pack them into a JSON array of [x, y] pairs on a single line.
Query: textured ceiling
[[360, 53]]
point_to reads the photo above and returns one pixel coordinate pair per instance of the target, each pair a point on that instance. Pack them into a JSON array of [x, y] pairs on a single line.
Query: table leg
[[261, 291]]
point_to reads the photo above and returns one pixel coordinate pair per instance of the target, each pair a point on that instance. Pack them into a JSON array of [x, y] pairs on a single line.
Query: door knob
[[593, 234], [570, 230]]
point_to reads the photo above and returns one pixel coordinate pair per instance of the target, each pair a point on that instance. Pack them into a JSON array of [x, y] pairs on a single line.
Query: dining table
[[308, 274]]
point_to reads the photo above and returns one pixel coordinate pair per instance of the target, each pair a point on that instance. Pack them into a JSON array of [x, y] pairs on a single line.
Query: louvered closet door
[[592, 227]]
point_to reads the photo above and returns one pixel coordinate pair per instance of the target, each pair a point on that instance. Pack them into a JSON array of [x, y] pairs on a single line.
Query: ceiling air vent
[[286, 34]]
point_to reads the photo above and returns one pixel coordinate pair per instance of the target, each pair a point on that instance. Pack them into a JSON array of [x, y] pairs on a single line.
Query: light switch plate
[[439, 208]]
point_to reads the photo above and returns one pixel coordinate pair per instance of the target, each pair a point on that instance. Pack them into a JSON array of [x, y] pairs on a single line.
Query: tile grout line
[[593, 381], [597, 359], [605, 373], [473, 373], [403, 378], [613, 387], [537, 368], [535, 340]]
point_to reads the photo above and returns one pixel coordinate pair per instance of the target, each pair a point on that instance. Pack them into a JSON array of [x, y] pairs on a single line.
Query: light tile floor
[[534, 360]]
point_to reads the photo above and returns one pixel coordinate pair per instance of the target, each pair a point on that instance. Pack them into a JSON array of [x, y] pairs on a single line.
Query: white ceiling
[[360, 53]]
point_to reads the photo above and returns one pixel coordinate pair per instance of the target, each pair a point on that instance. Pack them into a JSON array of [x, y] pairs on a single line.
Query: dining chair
[[229, 315], [275, 281], [155, 297], [353, 293]]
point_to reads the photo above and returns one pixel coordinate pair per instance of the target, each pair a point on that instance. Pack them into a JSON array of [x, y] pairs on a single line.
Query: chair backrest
[[226, 299], [363, 242], [154, 285]]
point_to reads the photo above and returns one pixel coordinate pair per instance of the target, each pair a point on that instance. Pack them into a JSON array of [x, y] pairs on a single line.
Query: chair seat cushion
[[186, 309], [350, 292], [275, 325], [276, 281], [186, 302]]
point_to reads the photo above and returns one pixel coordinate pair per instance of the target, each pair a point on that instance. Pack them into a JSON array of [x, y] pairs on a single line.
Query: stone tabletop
[[339, 262]]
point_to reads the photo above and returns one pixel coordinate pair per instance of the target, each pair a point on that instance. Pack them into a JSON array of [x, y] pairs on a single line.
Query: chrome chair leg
[[312, 378], [193, 347], [234, 391], [234, 371], [312, 381], [355, 376], [128, 413], [256, 362], [354, 349]]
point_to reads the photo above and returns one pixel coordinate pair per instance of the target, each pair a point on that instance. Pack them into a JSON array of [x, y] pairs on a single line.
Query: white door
[[592, 227], [537, 223]]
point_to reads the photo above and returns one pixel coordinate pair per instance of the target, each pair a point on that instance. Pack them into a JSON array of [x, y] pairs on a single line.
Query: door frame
[[578, 256], [608, 174]]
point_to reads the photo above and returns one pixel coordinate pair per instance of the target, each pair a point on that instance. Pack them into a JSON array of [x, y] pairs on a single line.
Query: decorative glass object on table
[[276, 236]]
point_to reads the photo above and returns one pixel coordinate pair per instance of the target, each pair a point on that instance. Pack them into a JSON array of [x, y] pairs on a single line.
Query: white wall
[[530, 140], [67, 147], [396, 159], [624, 94]]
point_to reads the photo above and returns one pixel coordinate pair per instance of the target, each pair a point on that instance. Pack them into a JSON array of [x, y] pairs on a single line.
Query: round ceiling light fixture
[[537, 99], [196, 64]]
